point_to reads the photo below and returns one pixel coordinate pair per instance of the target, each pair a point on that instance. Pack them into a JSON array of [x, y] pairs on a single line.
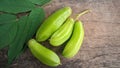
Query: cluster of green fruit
[[59, 27]]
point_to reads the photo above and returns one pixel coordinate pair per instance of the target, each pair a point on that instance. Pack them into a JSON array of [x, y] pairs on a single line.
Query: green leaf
[[16, 6], [4, 38], [13, 31], [35, 18], [27, 28], [7, 18], [7, 33], [8, 29], [40, 2], [16, 46]]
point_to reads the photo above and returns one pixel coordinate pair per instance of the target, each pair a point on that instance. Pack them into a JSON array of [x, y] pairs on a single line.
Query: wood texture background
[[101, 47]]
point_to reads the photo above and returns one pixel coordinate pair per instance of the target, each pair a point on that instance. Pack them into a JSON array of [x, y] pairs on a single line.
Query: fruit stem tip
[[82, 13]]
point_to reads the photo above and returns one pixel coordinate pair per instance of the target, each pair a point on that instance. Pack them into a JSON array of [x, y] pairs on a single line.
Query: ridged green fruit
[[52, 23], [74, 44], [43, 54], [63, 33]]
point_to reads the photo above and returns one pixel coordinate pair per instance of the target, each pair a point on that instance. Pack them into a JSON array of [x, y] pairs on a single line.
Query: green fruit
[[43, 54], [74, 44], [63, 33], [52, 23]]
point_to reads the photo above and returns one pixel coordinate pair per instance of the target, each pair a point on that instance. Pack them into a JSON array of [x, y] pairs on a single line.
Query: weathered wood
[[101, 47]]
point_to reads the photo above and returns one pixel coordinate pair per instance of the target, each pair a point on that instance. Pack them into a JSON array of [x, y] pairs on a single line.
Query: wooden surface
[[101, 47]]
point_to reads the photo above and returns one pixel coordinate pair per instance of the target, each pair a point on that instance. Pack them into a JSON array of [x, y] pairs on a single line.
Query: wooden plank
[[101, 47]]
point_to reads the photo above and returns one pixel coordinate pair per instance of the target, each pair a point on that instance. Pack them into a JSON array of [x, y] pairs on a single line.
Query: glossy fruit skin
[[74, 44], [63, 33], [43, 54], [52, 23]]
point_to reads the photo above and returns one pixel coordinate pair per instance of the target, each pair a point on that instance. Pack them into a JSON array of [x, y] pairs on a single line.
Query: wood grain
[[101, 47]]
